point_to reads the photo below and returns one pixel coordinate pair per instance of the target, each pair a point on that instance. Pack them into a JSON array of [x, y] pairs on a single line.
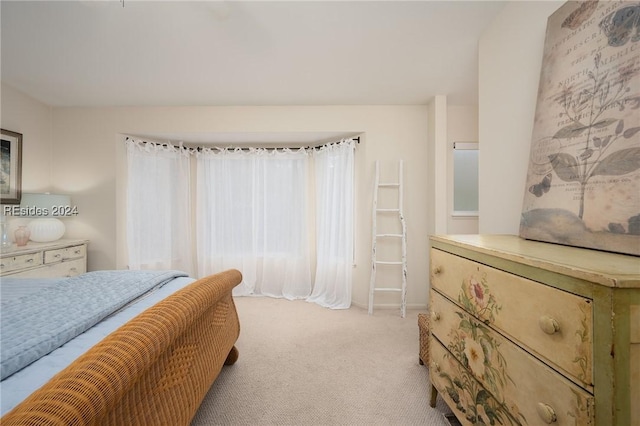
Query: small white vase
[[46, 229]]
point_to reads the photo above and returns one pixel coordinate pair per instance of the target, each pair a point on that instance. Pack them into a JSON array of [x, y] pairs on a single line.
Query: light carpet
[[301, 364]]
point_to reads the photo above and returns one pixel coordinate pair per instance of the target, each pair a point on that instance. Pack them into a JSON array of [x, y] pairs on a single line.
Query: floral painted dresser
[[532, 333]]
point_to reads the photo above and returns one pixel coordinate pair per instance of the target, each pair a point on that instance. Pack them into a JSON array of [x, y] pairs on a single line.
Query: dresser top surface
[[33, 247], [609, 269]]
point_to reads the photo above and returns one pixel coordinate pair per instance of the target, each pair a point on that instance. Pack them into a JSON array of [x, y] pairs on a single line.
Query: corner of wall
[[437, 164], [509, 64]]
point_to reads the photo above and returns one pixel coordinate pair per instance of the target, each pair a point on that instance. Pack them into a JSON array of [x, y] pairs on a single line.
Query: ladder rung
[[399, 235]]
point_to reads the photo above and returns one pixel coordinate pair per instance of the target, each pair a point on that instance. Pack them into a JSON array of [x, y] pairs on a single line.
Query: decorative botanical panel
[[583, 181]]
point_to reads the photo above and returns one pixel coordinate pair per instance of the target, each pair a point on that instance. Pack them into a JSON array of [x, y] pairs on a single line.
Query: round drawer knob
[[435, 316], [437, 270], [546, 413], [548, 325]]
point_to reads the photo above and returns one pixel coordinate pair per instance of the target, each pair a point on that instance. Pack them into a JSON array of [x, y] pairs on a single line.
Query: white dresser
[[531, 333], [62, 258]]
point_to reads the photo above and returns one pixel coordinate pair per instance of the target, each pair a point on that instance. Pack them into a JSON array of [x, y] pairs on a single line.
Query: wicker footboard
[[154, 370]]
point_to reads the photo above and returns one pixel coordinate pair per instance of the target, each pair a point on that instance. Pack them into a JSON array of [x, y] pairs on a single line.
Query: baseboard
[[410, 306]]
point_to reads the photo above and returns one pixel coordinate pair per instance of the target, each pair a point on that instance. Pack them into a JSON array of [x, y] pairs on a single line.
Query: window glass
[[465, 177]]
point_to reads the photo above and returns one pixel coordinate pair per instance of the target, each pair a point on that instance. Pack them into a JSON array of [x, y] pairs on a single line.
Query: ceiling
[[188, 53]]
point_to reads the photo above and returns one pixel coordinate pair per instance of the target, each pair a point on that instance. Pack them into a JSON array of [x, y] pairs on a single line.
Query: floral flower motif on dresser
[[583, 410], [476, 298], [583, 345], [474, 402], [473, 345], [476, 290], [474, 354]]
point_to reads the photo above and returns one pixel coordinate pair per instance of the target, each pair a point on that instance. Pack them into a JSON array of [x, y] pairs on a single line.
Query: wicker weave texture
[[423, 327], [154, 370]]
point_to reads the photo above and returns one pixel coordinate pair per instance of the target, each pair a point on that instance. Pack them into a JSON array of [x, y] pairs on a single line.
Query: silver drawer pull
[[28, 261], [77, 252], [435, 316], [546, 413], [57, 256], [548, 325]]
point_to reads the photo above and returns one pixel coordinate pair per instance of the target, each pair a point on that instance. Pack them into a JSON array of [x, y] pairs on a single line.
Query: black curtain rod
[[356, 139]]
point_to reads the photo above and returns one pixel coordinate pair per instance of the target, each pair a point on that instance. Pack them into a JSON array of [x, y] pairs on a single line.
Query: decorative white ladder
[[402, 237]]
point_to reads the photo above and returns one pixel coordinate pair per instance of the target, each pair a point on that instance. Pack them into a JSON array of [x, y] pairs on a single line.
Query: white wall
[[89, 156], [437, 165], [510, 58], [23, 114]]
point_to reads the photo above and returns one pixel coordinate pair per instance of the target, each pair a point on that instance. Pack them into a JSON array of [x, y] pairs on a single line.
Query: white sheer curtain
[[251, 215], [334, 172], [158, 207]]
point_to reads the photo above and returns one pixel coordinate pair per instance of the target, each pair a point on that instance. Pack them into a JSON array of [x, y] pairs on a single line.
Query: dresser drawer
[[69, 269], [470, 402], [61, 258], [551, 323], [58, 255], [527, 387], [62, 269], [21, 262]]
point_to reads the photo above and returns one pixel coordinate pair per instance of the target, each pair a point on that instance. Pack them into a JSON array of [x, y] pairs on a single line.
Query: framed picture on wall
[[10, 167], [583, 182]]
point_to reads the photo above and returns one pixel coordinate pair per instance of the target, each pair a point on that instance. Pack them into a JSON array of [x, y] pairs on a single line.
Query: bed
[[149, 361]]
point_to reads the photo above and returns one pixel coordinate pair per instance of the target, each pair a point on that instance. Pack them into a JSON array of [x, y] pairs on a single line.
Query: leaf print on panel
[[586, 110]]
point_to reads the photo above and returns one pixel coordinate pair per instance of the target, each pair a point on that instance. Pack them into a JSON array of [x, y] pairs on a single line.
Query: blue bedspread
[[36, 324]]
